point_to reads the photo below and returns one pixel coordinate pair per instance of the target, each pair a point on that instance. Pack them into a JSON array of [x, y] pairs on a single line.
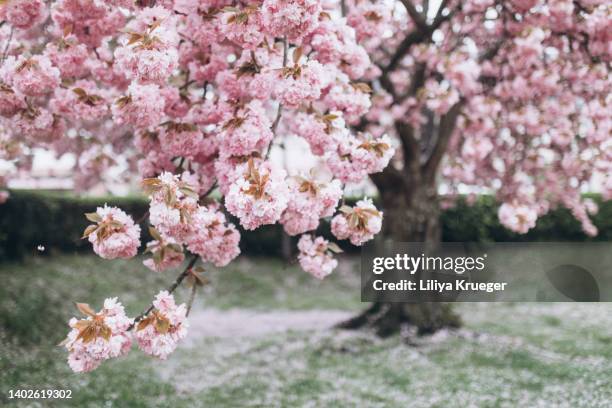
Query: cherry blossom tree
[[191, 96], [511, 97]]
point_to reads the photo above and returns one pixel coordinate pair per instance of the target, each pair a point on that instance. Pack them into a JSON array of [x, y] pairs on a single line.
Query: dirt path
[[249, 323]]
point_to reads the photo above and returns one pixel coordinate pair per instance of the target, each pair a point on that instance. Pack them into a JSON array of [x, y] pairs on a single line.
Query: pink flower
[[98, 337], [4, 196], [317, 130], [315, 256], [516, 217], [34, 76], [89, 21], [177, 104], [293, 19], [36, 123], [300, 84], [259, 194], [114, 235], [355, 158], [359, 224], [141, 107], [166, 253], [370, 20], [160, 331], [309, 201], [81, 102], [181, 139], [350, 100], [148, 51], [10, 102], [213, 238], [476, 148], [24, 14], [243, 27], [69, 56], [247, 132], [173, 205], [147, 65]]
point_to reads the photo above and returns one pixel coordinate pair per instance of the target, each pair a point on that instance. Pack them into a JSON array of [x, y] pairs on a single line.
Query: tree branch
[[415, 15], [445, 131], [416, 37], [390, 179], [170, 289]]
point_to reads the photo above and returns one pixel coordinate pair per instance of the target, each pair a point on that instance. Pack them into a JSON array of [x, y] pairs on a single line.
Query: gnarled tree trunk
[[411, 214]]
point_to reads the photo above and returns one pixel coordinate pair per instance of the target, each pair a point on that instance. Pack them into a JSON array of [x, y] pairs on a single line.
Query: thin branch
[[415, 15], [144, 217], [170, 289], [205, 88], [417, 36], [445, 131]]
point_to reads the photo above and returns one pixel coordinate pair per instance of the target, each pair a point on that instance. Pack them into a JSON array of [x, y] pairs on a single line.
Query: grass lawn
[[507, 355]]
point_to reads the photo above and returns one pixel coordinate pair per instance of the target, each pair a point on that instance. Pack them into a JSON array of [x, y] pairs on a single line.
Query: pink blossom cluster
[[147, 52], [358, 224], [315, 130], [114, 235], [23, 14], [247, 132], [258, 195], [108, 334], [166, 253], [98, 337], [301, 84], [84, 101], [293, 19], [214, 240], [369, 20], [141, 107], [315, 257], [33, 76], [356, 157], [332, 40], [309, 201], [518, 218], [159, 333], [180, 220]]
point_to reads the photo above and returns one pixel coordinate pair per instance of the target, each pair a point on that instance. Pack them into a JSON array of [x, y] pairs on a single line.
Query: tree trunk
[[411, 214]]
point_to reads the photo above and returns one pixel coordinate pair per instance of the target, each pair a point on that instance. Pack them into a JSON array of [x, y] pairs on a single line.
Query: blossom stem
[[144, 217], [170, 289]]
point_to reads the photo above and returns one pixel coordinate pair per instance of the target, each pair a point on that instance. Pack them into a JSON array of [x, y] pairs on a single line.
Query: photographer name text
[[433, 285]]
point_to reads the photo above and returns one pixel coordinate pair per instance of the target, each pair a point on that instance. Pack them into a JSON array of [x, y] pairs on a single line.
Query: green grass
[[507, 355]]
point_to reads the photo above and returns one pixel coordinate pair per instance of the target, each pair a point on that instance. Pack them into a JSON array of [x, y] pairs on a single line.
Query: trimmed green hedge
[[55, 220]]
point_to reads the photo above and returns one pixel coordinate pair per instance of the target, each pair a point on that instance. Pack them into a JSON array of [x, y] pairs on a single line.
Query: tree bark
[[411, 214]]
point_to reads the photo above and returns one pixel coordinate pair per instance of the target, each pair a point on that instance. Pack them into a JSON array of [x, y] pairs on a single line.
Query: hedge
[[55, 220]]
